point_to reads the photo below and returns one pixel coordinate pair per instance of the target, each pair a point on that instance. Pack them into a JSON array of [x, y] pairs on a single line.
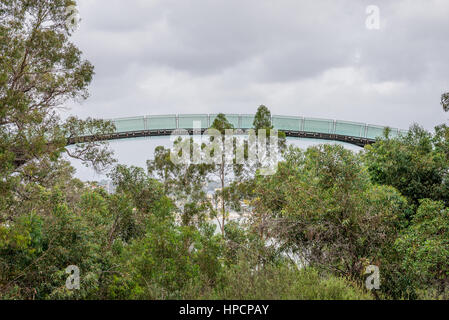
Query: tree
[[50, 232], [416, 163], [226, 171], [322, 205], [425, 247], [183, 182], [40, 69], [262, 121], [262, 118], [144, 191]]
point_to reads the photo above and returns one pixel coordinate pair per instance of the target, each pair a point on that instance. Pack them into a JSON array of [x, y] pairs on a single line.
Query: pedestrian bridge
[[359, 134]]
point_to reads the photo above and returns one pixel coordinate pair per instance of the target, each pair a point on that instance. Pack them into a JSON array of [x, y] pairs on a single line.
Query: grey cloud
[[174, 56]]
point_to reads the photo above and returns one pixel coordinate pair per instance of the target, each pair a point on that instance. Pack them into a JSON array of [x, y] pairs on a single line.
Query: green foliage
[[416, 164], [285, 283], [226, 171], [425, 247], [262, 119], [145, 193], [328, 211], [313, 227], [40, 69], [166, 261], [37, 248], [311, 230], [126, 250], [221, 123], [182, 182]]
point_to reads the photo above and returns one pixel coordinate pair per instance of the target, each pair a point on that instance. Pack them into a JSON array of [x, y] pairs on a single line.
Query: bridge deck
[[355, 133]]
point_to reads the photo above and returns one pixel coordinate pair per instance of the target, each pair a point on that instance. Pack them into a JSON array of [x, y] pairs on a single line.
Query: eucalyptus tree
[[323, 207], [262, 118], [41, 70], [228, 167], [417, 164], [184, 182], [262, 121]]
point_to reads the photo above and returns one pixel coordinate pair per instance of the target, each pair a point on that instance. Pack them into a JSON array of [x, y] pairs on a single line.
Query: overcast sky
[[309, 58]]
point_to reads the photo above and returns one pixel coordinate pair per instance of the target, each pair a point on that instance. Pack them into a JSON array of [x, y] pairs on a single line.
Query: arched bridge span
[[359, 134]]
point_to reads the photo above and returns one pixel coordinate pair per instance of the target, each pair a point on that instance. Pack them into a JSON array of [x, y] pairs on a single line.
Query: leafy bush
[[282, 282]]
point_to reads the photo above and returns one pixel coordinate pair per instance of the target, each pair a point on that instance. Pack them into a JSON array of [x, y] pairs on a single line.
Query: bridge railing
[[245, 121]]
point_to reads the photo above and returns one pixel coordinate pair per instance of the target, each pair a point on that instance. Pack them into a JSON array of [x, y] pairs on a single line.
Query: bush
[[283, 282]]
